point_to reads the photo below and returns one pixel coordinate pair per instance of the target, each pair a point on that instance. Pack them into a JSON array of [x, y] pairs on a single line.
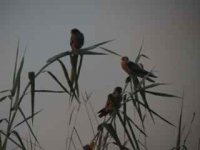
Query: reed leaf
[[112, 132], [19, 138], [62, 54], [16, 60], [156, 114], [4, 91], [48, 91], [17, 79], [90, 53], [139, 54], [112, 52], [65, 73], [178, 140], [71, 114], [149, 86], [4, 119], [133, 135], [57, 81], [58, 56], [17, 99], [130, 120], [78, 137], [26, 119], [96, 45], [31, 76], [189, 128], [68, 80], [1, 143], [162, 94], [3, 98], [11, 139], [29, 127], [126, 130]]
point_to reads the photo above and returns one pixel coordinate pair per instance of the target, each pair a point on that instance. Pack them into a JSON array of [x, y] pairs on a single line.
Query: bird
[[113, 101], [132, 68], [76, 42]]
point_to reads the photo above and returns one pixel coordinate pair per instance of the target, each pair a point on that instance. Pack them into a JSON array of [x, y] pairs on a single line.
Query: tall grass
[[107, 133]]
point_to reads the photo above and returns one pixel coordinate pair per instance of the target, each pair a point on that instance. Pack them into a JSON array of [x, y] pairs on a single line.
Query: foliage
[[135, 94]]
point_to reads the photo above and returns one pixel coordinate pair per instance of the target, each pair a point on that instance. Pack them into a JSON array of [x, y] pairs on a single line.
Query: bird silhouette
[[76, 42], [113, 101], [132, 68]]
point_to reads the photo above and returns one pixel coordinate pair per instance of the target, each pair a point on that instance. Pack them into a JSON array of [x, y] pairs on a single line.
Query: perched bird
[[76, 42], [113, 101], [135, 69]]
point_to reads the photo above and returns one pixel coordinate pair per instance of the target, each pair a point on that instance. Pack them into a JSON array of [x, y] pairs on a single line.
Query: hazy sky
[[171, 34]]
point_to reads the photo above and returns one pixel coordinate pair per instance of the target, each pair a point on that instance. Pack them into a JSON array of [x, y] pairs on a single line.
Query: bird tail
[[102, 112], [74, 60]]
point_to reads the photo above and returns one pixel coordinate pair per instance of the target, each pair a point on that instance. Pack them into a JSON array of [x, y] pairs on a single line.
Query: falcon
[[132, 68], [76, 42], [113, 101]]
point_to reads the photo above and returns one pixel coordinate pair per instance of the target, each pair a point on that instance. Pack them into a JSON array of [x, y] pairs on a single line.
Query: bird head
[[125, 59], [75, 31], [118, 90]]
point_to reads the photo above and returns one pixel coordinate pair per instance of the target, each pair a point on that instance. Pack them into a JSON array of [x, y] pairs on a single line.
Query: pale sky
[[171, 34]]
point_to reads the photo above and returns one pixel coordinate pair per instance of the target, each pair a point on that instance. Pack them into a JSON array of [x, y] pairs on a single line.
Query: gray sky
[[171, 39]]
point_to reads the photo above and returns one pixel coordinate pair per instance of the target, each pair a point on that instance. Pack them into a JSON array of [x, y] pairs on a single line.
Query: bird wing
[[135, 68], [109, 103], [80, 37]]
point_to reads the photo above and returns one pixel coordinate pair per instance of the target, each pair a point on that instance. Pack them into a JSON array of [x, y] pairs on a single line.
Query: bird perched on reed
[[76, 42], [132, 68], [113, 101]]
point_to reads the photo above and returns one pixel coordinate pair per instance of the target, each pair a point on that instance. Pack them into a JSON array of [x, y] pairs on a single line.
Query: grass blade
[[90, 53], [143, 95], [138, 56], [19, 138], [26, 119], [1, 144], [78, 137], [112, 132], [126, 130], [96, 45], [88, 114], [189, 128], [133, 135], [78, 74], [4, 119], [31, 76], [149, 86], [12, 140], [16, 60], [71, 115], [17, 100], [4, 91], [58, 56], [29, 127], [156, 114], [65, 73], [58, 82], [3, 98], [162, 94], [107, 50], [178, 140], [68, 80], [16, 82], [48, 91], [130, 120]]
